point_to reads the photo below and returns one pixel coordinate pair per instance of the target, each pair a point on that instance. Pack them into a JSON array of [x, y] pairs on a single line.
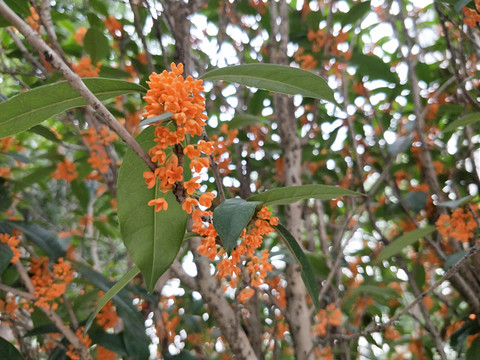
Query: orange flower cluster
[[34, 19], [472, 16], [114, 27], [460, 225], [50, 285], [171, 92], [9, 307], [306, 61], [107, 317], [324, 353], [329, 316], [12, 242], [79, 35], [221, 153], [318, 39], [85, 68], [166, 327], [252, 237], [97, 142], [66, 170], [73, 353]]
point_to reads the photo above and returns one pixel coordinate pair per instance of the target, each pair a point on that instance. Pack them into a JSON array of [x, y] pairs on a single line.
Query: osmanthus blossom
[[171, 92]]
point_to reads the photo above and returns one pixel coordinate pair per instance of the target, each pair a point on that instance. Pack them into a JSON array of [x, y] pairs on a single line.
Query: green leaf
[[276, 78], [45, 132], [119, 285], [460, 4], [9, 351], [155, 119], [373, 67], [152, 238], [357, 12], [5, 256], [455, 204], [298, 254], [242, 120], [291, 194], [415, 200], [96, 45], [454, 258], [5, 196], [469, 119], [230, 218], [403, 241], [28, 109]]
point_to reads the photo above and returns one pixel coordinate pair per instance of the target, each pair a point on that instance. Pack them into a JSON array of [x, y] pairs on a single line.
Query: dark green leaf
[[276, 78], [357, 12], [460, 4], [8, 351], [45, 132], [298, 254], [469, 119], [28, 109], [243, 120], [376, 292], [5, 256], [114, 290], [5, 196], [152, 238], [96, 45], [230, 218], [403, 241], [373, 67], [415, 200], [291, 194], [454, 258]]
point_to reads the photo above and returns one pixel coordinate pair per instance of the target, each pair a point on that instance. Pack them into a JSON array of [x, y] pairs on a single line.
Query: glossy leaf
[[28, 109], [460, 4], [5, 256], [373, 67], [291, 194], [275, 78], [469, 119], [8, 351], [96, 45], [230, 218], [243, 120], [403, 241], [152, 238], [114, 290], [298, 254], [454, 258]]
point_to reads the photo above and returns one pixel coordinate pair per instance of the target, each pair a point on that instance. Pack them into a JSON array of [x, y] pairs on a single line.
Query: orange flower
[[191, 185], [72, 353], [114, 27], [105, 354], [79, 35], [189, 204], [160, 204], [65, 170], [12, 242], [206, 199], [107, 317], [199, 164], [84, 68], [191, 152]]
